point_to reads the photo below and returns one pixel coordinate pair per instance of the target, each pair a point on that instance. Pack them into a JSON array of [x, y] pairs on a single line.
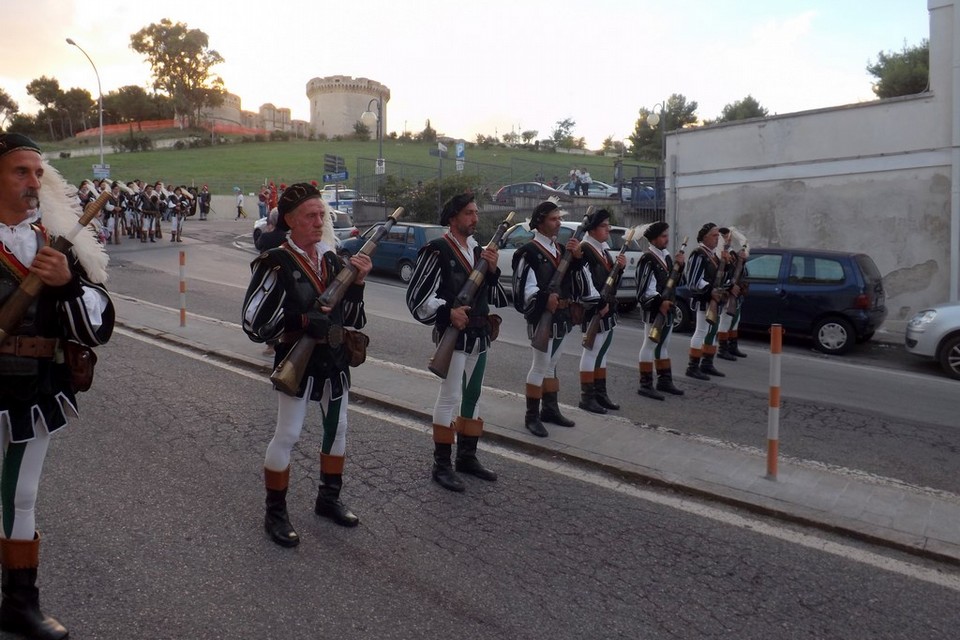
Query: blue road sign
[[335, 177]]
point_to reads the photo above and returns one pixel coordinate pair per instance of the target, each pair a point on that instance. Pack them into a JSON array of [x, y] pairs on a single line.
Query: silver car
[[935, 333]]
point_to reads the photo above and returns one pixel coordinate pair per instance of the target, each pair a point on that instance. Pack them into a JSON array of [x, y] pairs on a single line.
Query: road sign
[[101, 171], [459, 165], [335, 177], [381, 167], [441, 147], [460, 150], [332, 163]]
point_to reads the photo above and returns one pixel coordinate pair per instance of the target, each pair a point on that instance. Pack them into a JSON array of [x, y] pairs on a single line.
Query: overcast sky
[[488, 66]]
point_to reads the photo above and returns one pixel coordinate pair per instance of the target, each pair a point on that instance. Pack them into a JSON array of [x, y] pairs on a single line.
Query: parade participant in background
[[262, 201], [37, 393], [653, 271], [533, 266], [203, 202], [727, 332], [131, 214], [112, 212], [443, 266], [597, 266], [181, 207], [700, 278], [281, 304], [240, 211], [149, 213]]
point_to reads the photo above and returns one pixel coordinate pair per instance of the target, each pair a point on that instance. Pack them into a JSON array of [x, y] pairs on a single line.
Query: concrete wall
[[873, 177]]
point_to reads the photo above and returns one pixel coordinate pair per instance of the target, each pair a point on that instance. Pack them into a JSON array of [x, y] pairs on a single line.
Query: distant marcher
[[203, 202], [240, 211], [700, 277]]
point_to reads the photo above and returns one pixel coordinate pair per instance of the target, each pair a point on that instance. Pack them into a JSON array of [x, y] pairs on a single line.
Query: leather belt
[[28, 347], [334, 336], [563, 303]]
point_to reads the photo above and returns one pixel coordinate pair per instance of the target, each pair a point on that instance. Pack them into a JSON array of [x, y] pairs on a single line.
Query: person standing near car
[[585, 181], [653, 271], [533, 267], [37, 388], [281, 304], [443, 267], [727, 331], [700, 278], [240, 211], [597, 265]]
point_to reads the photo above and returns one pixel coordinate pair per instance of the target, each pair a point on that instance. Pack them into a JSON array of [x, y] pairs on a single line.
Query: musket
[[288, 374], [440, 362], [30, 287], [713, 307], [731, 306], [541, 336], [609, 293], [668, 293]]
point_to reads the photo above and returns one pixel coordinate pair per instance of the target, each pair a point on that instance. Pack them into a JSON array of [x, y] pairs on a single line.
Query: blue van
[[836, 298]]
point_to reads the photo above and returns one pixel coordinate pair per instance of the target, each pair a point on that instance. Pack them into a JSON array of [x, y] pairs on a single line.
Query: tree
[[646, 141], [128, 104], [903, 73], [511, 137], [361, 131], [613, 146], [181, 62], [561, 135], [427, 135], [528, 136], [8, 107], [77, 105], [25, 124], [741, 110], [47, 92]]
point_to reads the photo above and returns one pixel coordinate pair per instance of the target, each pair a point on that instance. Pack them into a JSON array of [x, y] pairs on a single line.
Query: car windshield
[[616, 241], [342, 221]]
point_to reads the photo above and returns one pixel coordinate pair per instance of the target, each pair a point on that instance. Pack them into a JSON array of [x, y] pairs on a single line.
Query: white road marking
[[947, 578]]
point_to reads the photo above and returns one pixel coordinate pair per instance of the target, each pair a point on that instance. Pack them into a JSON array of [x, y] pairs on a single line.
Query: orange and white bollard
[[183, 289], [773, 415]]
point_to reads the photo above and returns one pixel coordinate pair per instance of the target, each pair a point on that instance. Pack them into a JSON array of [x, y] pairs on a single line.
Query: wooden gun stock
[[731, 306], [541, 335], [713, 307], [609, 294], [440, 362], [668, 293], [289, 373]]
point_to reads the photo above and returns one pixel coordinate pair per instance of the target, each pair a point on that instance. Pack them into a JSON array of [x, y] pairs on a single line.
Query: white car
[[520, 234], [340, 199], [935, 333], [343, 226], [603, 190]]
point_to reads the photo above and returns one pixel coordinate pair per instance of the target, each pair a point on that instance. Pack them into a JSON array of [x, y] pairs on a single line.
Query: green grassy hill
[[249, 164]]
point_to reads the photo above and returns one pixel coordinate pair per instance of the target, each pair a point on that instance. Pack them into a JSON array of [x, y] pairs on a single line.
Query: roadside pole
[[773, 415]]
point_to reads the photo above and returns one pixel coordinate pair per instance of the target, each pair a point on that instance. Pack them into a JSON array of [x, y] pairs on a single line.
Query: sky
[[487, 66]]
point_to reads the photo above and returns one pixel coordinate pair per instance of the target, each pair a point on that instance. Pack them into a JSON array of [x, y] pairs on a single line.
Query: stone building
[[268, 118], [879, 177], [336, 103]]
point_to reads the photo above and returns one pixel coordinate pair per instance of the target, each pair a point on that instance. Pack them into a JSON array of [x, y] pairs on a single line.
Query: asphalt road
[[151, 512]]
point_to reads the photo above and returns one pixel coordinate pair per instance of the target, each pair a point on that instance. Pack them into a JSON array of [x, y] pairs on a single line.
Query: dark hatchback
[[836, 298], [397, 250]]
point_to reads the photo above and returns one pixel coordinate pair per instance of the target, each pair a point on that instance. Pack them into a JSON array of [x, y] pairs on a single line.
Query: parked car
[[397, 251], [520, 234], [340, 199], [935, 333], [603, 190], [507, 194], [834, 297], [343, 226]]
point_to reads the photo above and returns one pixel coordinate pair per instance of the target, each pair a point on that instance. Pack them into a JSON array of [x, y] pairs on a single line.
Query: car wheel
[[406, 271], [950, 357], [626, 307], [682, 317], [834, 335]]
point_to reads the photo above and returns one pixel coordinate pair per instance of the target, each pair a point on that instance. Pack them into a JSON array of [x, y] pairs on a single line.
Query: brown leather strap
[[563, 303], [28, 347]]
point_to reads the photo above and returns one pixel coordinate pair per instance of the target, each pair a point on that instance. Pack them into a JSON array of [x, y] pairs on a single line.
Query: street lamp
[[99, 91], [368, 117], [655, 117]]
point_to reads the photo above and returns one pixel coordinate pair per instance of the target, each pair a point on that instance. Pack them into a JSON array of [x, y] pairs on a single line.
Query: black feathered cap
[[454, 206], [293, 196], [655, 230], [704, 230], [543, 209], [10, 142], [596, 219]]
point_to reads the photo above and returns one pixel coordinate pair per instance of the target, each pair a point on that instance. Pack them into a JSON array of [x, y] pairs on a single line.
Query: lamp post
[[656, 117], [99, 91], [368, 118]]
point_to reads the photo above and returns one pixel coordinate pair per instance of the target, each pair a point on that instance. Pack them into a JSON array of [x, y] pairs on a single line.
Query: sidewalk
[[925, 523]]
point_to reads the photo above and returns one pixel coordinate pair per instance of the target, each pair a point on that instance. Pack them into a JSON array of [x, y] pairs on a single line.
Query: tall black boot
[[550, 409], [20, 610], [588, 402], [724, 352], [443, 473], [532, 418], [467, 461], [706, 366], [328, 501], [693, 369], [276, 522], [600, 393], [735, 348], [646, 386], [665, 382]]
